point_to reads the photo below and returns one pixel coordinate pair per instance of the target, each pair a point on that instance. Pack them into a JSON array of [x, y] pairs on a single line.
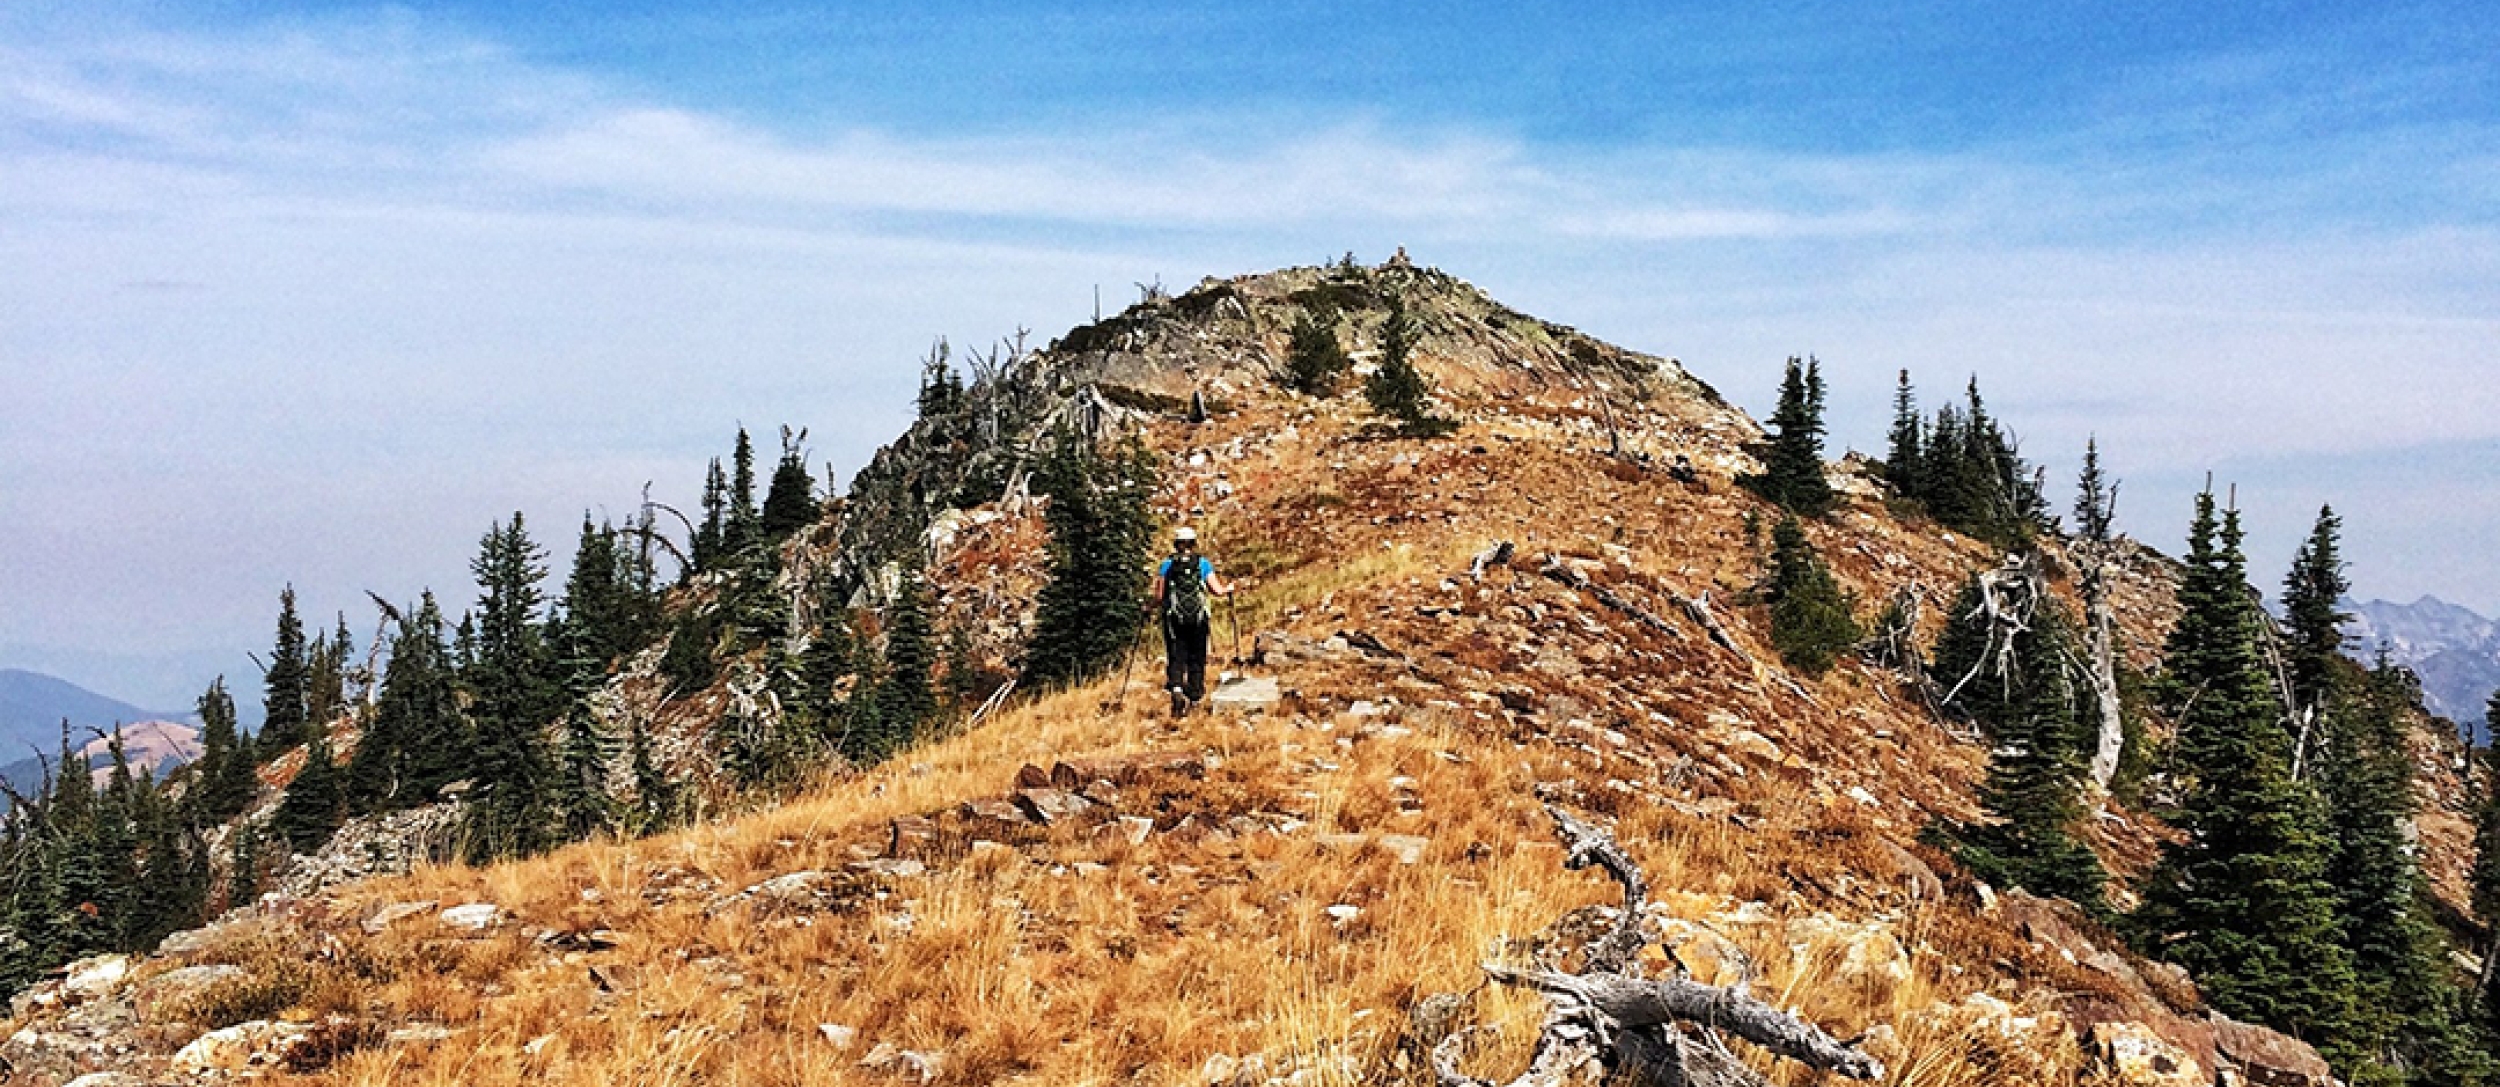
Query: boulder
[[912, 835], [993, 811], [260, 1042], [94, 978], [1246, 693], [2135, 1055], [1051, 805], [2269, 1058]]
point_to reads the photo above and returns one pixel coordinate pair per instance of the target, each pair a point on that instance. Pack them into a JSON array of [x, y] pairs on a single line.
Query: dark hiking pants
[[1185, 655]]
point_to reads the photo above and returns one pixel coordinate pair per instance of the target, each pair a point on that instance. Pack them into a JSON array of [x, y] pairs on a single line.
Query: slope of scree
[[1081, 889]]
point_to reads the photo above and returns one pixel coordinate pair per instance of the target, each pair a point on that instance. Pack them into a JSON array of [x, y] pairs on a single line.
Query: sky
[[312, 293]]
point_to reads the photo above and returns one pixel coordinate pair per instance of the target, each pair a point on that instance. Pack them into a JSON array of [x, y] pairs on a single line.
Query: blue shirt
[[1206, 569]]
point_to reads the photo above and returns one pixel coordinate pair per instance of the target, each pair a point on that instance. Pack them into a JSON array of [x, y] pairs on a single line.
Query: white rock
[[1342, 912], [97, 977], [842, 1036], [106, 1079], [394, 913], [473, 917], [1407, 848]]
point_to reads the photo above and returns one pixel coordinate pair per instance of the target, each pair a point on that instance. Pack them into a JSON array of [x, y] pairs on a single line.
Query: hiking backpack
[[1185, 589]]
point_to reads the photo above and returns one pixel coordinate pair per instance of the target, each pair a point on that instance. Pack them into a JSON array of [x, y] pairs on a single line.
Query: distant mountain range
[[2454, 650], [153, 746]]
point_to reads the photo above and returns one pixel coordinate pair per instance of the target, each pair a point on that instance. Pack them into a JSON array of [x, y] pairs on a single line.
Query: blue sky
[[312, 292]]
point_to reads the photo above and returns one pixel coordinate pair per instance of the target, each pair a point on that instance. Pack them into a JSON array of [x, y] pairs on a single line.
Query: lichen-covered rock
[[2134, 1055]]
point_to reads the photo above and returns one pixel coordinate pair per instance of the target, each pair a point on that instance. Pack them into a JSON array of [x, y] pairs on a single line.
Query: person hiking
[[1180, 594]]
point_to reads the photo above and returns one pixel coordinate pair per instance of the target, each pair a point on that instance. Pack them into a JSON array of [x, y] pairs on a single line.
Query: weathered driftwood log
[[1563, 572], [1663, 1032]]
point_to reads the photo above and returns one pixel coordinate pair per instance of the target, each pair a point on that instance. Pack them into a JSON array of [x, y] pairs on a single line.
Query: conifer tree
[[287, 705], [516, 695], [790, 501], [1810, 620], [2313, 622], [1396, 389], [739, 532], [1792, 468], [418, 740], [2242, 899], [711, 537], [223, 773], [655, 796], [1905, 453], [2484, 878], [2409, 1015], [1101, 534], [906, 694], [1316, 361], [314, 805], [243, 866]]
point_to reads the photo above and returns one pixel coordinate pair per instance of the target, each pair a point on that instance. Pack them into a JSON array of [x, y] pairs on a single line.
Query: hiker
[[1181, 587]]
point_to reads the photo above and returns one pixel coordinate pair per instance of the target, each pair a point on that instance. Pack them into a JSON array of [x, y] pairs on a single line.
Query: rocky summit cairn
[[1665, 1031]]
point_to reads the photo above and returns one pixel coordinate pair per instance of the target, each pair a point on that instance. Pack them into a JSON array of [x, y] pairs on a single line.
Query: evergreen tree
[[325, 683], [2096, 498], [1905, 455], [516, 694], [222, 775], [287, 702], [2242, 899], [2485, 876], [418, 741], [906, 694], [1810, 620], [243, 866], [1101, 536], [1792, 468], [2409, 1015], [315, 804], [790, 502], [2027, 697], [2314, 625], [711, 538], [1396, 389], [655, 796], [1316, 361], [740, 532]]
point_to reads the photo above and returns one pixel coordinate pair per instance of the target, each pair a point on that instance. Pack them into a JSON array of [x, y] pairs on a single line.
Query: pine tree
[[790, 501], [2314, 625], [287, 705], [1792, 468], [2242, 899], [1396, 389], [516, 695], [417, 741], [1810, 621], [1316, 361], [315, 805], [223, 773], [1101, 534], [1904, 457]]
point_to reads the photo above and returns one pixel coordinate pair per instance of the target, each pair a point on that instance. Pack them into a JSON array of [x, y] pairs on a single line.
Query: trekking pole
[[1232, 612], [1128, 664]]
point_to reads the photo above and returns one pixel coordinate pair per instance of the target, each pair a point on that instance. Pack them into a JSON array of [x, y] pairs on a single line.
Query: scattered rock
[[842, 1036], [1342, 912], [175, 986], [473, 917], [106, 1079], [233, 1049], [1246, 693], [912, 835], [886, 1058], [1749, 742], [1407, 848], [382, 919], [891, 867], [1030, 776], [1136, 828], [2134, 1055], [95, 978], [791, 889], [424, 1033], [1051, 805]]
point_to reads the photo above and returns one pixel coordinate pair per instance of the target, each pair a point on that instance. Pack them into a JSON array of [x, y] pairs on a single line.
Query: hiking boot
[[1180, 702]]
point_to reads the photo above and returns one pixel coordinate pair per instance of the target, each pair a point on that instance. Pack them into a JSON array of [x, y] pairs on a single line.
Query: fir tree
[[2027, 698], [711, 538], [2096, 498], [516, 694], [223, 773], [2314, 625], [1905, 454], [287, 706], [325, 683], [2484, 879], [906, 694], [740, 531], [1316, 361], [418, 740], [2242, 899], [243, 866], [790, 502], [1792, 468], [314, 805], [655, 796], [1101, 534], [1396, 389], [1810, 621]]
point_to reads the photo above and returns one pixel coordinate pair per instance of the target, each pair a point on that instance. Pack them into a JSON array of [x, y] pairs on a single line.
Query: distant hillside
[[154, 746], [33, 705], [2454, 650]]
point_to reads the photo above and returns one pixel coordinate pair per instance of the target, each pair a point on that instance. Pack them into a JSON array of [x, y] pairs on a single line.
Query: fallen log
[[1563, 572], [1664, 1032]]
